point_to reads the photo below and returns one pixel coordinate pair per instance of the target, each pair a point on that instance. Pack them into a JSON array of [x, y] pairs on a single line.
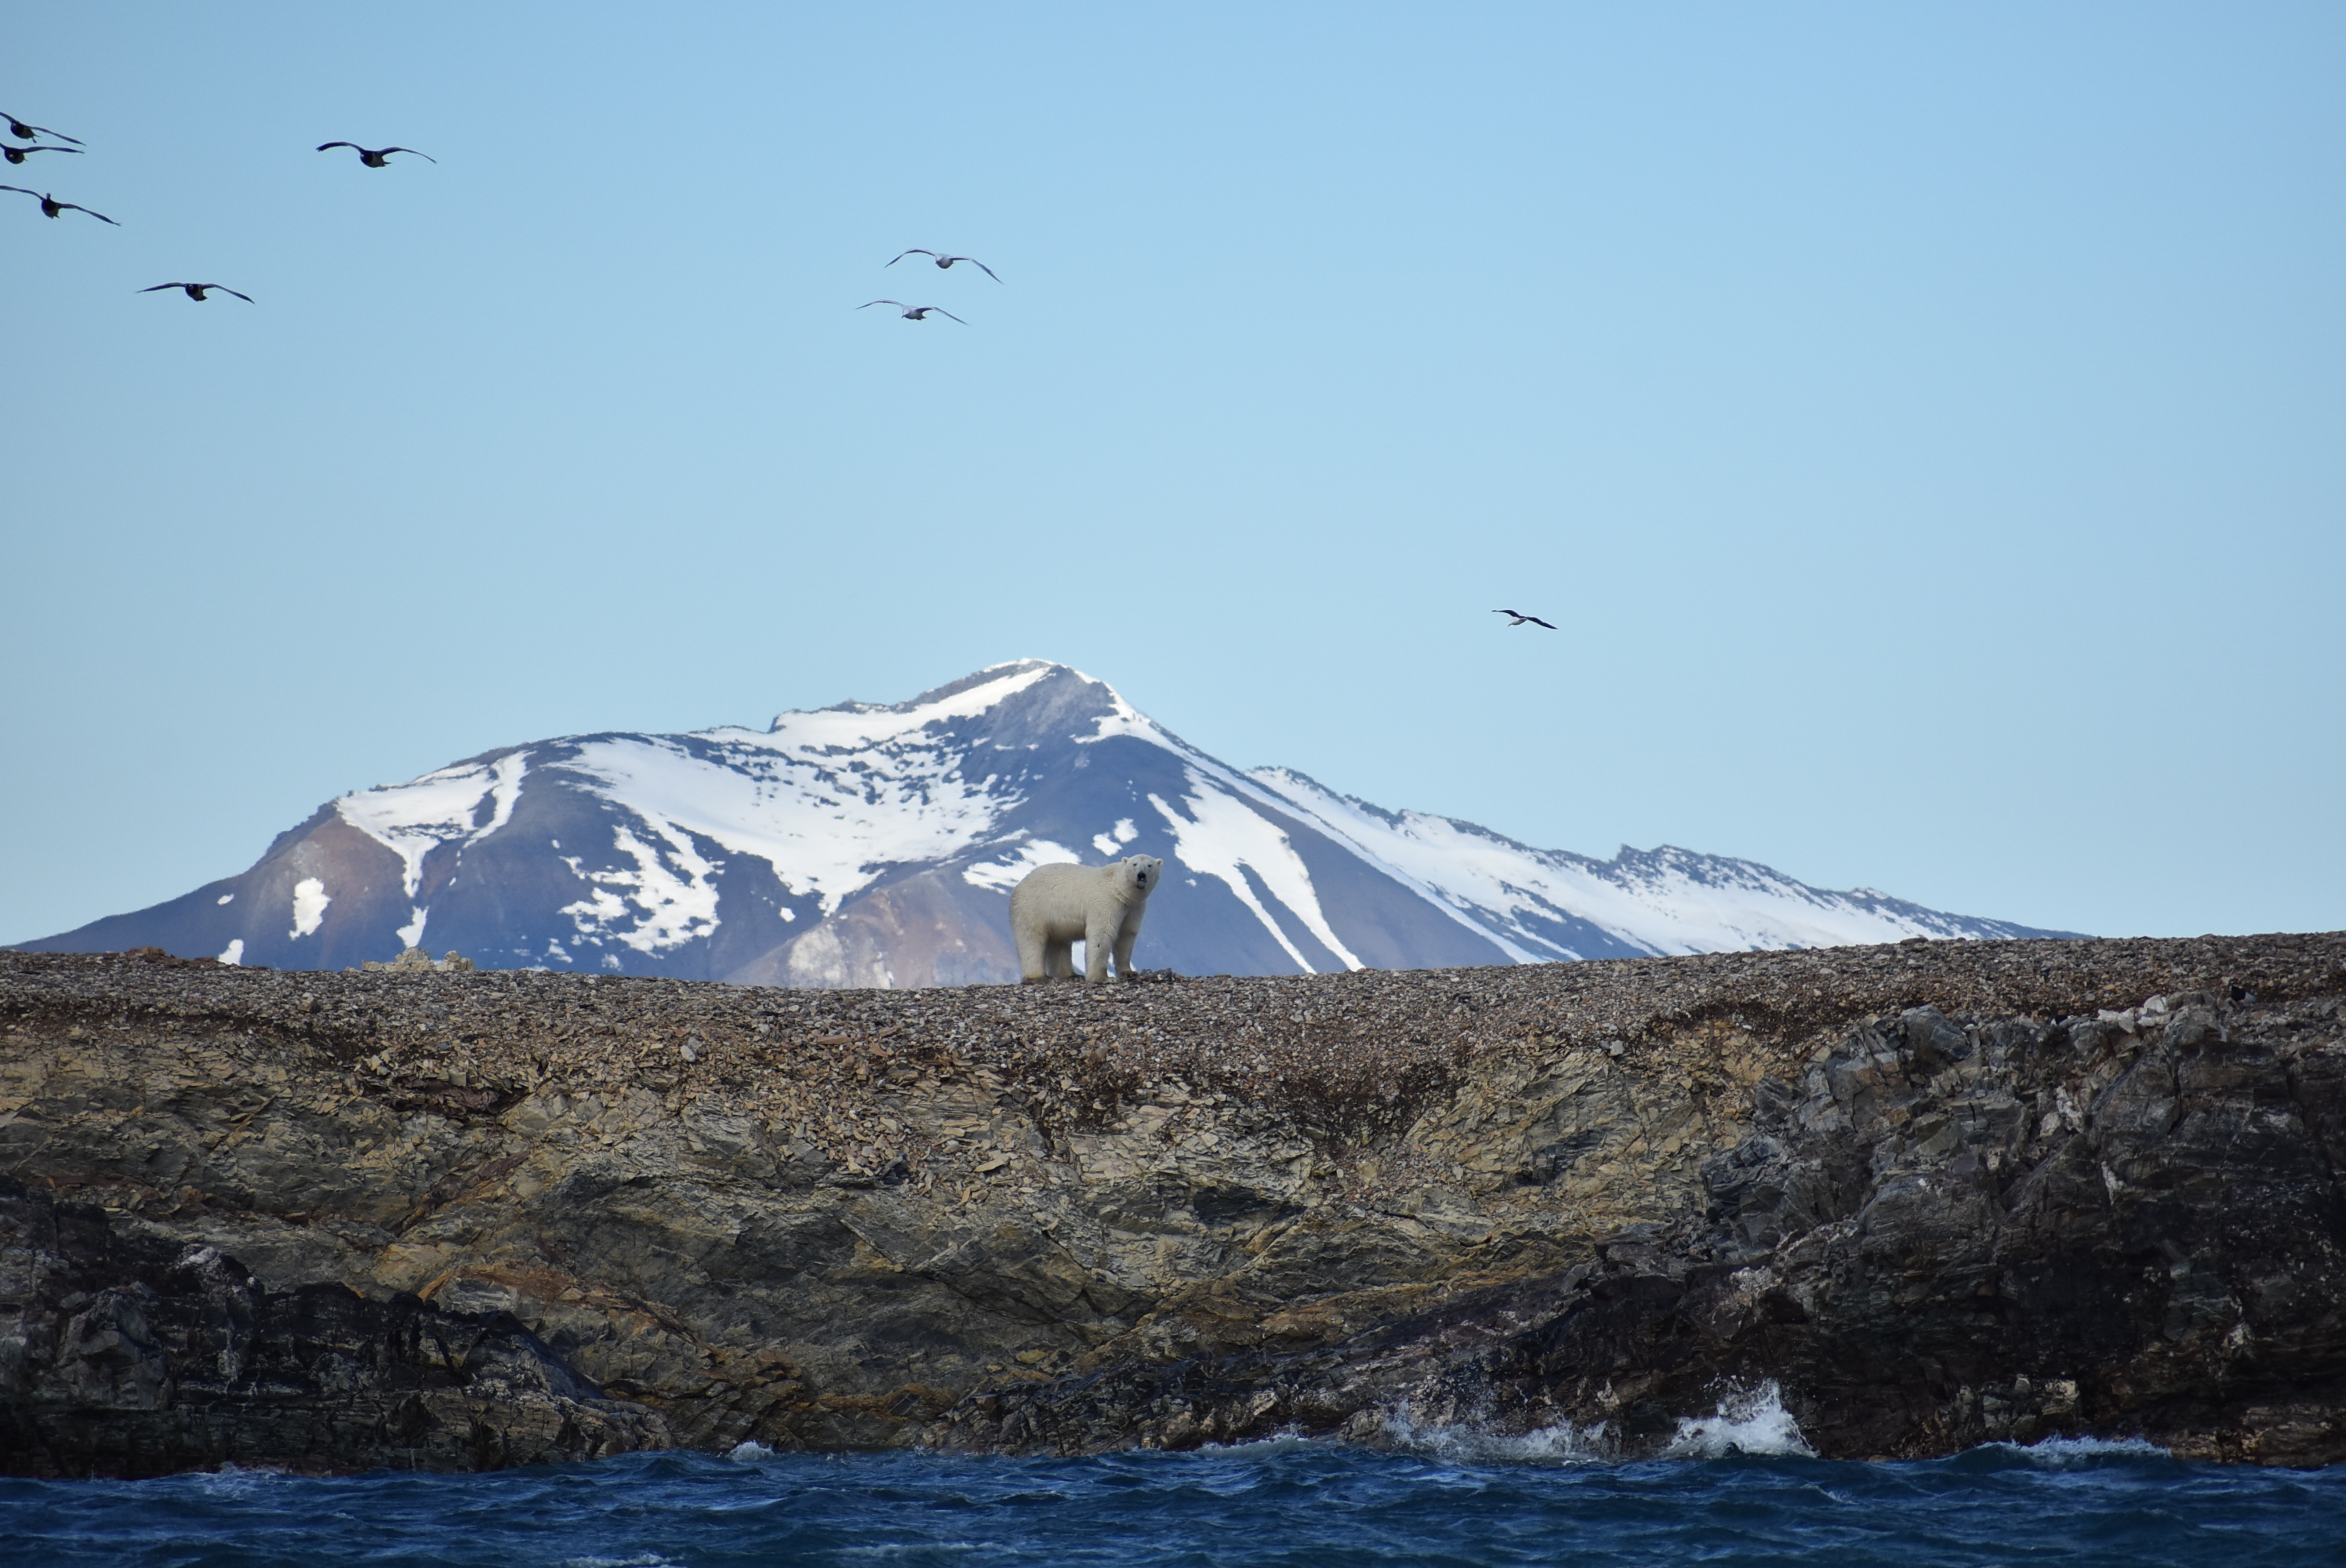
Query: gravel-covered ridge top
[[1339, 1054]]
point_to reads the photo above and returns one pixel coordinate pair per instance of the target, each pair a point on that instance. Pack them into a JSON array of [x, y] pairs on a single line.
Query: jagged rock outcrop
[[1938, 1192]]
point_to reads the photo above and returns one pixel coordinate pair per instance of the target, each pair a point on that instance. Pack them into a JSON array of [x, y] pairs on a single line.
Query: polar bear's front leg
[[1128, 934], [1099, 941]]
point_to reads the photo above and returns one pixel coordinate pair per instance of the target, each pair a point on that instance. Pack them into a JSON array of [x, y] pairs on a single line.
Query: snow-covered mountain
[[870, 845]]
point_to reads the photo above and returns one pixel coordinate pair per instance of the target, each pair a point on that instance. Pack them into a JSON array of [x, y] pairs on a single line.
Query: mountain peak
[[875, 844]]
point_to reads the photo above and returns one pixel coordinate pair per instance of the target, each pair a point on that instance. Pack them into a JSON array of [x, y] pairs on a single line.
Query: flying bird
[[17, 154], [378, 159], [913, 312], [943, 260], [196, 290], [23, 132], [1520, 618], [51, 206]]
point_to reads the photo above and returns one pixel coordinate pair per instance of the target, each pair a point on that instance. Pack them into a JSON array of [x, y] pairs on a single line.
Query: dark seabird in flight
[[943, 260], [913, 312], [1520, 618], [23, 132], [17, 154], [378, 159], [51, 206], [196, 290]]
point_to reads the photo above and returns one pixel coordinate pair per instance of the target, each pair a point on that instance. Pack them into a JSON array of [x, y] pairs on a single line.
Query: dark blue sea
[[1291, 1502]]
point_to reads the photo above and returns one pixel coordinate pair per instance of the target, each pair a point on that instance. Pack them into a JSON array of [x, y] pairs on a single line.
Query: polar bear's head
[[1140, 874]]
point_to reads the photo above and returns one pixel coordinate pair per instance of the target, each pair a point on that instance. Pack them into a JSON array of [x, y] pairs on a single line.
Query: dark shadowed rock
[[131, 1355]]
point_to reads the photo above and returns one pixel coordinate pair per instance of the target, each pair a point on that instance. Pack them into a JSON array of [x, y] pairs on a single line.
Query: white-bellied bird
[[913, 312], [943, 260], [1519, 618]]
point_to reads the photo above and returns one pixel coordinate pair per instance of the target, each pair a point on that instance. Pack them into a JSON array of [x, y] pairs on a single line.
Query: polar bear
[[1100, 906]]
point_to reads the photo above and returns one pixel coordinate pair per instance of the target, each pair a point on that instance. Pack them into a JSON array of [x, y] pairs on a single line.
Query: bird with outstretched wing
[[51, 206], [376, 157], [23, 132], [913, 312], [943, 260], [196, 292]]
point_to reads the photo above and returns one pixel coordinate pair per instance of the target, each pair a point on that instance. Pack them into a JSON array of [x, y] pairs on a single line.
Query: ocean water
[[1448, 1497]]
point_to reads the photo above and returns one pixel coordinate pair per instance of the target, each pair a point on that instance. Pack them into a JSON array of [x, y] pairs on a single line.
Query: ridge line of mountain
[[871, 844]]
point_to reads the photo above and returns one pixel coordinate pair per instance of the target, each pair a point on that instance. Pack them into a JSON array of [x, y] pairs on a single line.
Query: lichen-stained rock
[[1939, 1193]]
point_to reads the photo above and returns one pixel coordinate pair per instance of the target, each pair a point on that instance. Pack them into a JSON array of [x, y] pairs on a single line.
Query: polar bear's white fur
[[1053, 907]]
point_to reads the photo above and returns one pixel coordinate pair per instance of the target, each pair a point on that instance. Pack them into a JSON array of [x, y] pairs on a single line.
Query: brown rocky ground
[[1939, 1192]]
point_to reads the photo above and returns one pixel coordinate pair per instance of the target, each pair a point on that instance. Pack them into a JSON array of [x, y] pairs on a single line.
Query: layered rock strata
[[1939, 1193]]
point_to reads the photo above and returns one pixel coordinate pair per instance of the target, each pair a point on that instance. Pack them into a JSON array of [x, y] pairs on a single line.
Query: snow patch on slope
[[1222, 837], [310, 901], [412, 819], [673, 893], [1002, 875], [828, 827], [1665, 901], [857, 726]]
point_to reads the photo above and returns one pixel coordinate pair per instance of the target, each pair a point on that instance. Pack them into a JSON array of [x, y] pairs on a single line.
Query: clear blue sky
[[1924, 422]]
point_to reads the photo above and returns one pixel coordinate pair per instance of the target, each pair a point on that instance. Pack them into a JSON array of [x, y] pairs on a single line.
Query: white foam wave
[[1749, 1421], [1283, 1441], [2062, 1452], [235, 1479], [1476, 1441], [640, 1560], [750, 1452]]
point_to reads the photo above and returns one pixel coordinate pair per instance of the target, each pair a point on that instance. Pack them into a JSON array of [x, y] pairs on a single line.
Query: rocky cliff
[[1938, 1192]]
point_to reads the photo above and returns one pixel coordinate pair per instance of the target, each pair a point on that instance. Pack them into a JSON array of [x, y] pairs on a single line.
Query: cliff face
[[1938, 1192]]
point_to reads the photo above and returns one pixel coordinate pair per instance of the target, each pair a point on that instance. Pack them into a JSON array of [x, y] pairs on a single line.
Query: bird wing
[[77, 206], [1506, 613], [948, 315], [387, 151], [44, 131], [351, 145], [246, 298], [161, 286], [898, 303], [979, 266], [44, 149], [20, 190], [1537, 622], [915, 251]]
